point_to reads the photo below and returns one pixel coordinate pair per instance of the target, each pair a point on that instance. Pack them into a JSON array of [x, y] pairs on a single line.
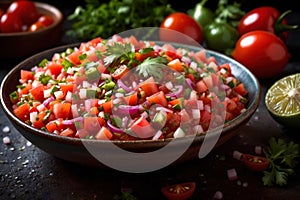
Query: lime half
[[283, 100]]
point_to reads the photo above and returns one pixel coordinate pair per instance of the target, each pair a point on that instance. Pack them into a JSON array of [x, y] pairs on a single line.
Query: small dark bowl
[[23, 44], [74, 149]]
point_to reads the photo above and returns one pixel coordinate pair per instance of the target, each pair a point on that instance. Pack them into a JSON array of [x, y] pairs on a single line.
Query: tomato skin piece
[[256, 163], [183, 23], [180, 191], [262, 52]]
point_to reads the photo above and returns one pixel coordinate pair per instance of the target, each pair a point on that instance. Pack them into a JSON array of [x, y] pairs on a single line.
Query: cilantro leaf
[[118, 51], [152, 67], [282, 157]]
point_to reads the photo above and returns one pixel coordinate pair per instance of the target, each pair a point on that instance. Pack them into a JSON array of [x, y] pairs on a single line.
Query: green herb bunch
[[98, 19]]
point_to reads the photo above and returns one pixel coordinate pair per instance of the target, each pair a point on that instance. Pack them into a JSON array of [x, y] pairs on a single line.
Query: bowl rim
[[44, 6], [79, 141]]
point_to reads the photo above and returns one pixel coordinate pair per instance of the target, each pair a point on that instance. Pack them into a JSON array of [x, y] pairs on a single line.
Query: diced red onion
[[71, 121], [160, 108], [186, 60], [114, 129], [47, 101], [123, 86], [177, 92], [127, 109], [190, 83], [232, 174]]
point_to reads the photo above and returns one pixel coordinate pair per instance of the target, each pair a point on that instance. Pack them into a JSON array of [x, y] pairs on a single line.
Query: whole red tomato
[[262, 52], [10, 23], [265, 18], [46, 20], [183, 23], [26, 10]]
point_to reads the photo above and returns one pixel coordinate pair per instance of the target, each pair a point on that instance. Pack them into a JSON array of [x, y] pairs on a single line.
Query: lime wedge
[[283, 100]]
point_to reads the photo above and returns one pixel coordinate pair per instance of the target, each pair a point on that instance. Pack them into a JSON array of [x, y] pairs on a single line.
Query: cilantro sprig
[[282, 157]]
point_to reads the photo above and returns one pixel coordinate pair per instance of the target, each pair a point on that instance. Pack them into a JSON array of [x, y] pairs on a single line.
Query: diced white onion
[[40, 107], [196, 114], [82, 93], [32, 117], [74, 110], [86, 84], [6, 140], [47, 93], [59, 94], [169, 85], [157, 135], [198, 129], [179, 133], [69, 96]]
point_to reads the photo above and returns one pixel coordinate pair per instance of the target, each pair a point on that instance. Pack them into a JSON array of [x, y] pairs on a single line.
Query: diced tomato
[[38, 124], [158, 98], [38, 93], [107, 106], [240, 88], [67, 88], [172, 55], [205, 119], [104, 134], [131, 99], [22, 112], [149, 86], [201, 86], [68, 132], [91, 124], [177, 103], [74, 57], [55, 68], [90, 44], [93, 111], [142, 56], [25, 89], [62, 110], [26, 75], [142, 128], [226, 69], [55, 125], [101, 68], [176, 65]]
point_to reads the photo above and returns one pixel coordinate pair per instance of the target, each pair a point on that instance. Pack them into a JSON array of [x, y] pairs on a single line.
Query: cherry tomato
[[10, 23], [26, 10], [179, 191], [184, 24], [262, 52], [46, 20], [36, 26], [256, 163], [265, 18]]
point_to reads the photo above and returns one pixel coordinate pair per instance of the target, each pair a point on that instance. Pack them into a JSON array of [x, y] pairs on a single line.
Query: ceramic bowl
[[23, 44], [75, 150]]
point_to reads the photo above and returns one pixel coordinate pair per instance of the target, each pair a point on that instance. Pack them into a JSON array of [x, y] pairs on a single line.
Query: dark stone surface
[[27, 172]]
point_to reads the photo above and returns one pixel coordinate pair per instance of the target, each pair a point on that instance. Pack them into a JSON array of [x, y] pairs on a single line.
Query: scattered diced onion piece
[[218, 195], [245, 184], [237, 155], [6, 140], [258, 150], [232, 174], [6, 129]]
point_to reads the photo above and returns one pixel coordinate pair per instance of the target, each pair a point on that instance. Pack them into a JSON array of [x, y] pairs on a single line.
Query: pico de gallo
[[126, 89]]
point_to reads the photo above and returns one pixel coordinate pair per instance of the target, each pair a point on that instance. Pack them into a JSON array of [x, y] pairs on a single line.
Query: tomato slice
[[120, 72], [256, 163], [180, 191]]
